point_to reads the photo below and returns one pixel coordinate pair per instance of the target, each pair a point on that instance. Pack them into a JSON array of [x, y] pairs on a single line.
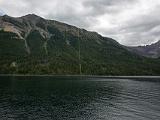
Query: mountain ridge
[[152, 50], [33, 22], [33, 45], [65, 26]]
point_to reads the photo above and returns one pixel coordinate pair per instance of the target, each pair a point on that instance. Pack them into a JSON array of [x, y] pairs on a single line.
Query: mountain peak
[[32, 17]]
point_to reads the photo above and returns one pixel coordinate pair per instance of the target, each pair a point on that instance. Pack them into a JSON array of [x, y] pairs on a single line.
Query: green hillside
[[63, 51]]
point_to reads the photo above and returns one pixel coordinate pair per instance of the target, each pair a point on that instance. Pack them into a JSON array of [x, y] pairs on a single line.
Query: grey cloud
[[143, 23], [108, 2], [72, 18], [143, 30], [131, 22], [107, 6]]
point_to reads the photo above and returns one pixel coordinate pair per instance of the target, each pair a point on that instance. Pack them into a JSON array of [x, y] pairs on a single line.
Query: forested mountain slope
[[33, 45]]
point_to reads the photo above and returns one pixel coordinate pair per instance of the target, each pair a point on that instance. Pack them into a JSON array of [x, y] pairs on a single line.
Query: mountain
[[152, 50], [33, 45]]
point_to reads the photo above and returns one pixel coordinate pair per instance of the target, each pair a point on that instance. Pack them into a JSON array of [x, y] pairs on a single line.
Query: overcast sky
[[130, 22]]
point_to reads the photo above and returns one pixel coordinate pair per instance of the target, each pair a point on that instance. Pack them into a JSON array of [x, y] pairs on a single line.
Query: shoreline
[[85, 76]]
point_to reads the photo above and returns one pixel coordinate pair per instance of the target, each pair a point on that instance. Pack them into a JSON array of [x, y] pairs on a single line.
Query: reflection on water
[[47, 98]]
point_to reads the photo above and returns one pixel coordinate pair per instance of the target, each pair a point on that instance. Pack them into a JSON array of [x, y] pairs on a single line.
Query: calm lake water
[[76, 98]]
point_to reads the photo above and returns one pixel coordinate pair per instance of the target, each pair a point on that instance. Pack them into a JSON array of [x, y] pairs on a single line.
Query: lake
[[78, 98]]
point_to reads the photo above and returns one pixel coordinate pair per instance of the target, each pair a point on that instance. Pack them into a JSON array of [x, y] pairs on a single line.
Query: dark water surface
[[73, 98]]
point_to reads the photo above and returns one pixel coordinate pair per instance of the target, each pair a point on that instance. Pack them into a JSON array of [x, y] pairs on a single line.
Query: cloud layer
[[130, 22]]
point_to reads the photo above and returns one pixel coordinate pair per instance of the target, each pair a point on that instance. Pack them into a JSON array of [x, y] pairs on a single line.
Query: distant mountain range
[[152, 50], [33, 45]]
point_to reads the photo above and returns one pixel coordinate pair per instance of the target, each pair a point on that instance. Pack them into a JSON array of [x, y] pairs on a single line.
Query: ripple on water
[[50, 98]]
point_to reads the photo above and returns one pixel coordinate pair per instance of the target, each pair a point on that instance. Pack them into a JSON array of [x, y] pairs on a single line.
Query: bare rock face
[[22, 26], [25, 25], [152, 50]]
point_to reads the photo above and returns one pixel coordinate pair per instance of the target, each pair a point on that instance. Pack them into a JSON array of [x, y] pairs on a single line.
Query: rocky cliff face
[[24, 26]]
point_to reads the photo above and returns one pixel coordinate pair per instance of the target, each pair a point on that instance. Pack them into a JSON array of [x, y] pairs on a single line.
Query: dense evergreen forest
[[62, 58]]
